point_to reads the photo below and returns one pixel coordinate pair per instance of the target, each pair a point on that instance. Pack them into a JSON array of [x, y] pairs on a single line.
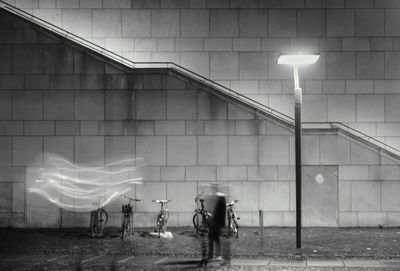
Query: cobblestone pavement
[[72, 249]]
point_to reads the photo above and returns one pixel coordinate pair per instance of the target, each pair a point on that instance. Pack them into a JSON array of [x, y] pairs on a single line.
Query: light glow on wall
[[81, 189]]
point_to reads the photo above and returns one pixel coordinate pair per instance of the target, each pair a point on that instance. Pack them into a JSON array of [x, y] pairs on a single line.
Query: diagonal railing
[[258, 107], [120, 59]]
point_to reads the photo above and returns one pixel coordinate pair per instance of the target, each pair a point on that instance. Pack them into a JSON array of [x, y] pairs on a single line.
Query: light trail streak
[[79, 188]]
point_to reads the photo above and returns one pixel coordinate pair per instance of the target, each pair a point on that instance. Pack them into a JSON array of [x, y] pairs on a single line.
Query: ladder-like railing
[[256, 106]]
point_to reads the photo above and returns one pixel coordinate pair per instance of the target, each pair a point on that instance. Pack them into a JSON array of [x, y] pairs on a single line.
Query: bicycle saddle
[[201, 200], [161, 200], [232, 202]]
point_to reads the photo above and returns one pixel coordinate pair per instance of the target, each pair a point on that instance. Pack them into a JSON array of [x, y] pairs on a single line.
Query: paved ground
[[323, 248], [107, 262]]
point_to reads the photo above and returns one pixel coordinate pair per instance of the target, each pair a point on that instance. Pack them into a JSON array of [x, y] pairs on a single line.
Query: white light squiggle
[[78, 188]]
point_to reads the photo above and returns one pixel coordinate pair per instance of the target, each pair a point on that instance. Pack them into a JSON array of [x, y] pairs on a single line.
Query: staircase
[[252, 106]]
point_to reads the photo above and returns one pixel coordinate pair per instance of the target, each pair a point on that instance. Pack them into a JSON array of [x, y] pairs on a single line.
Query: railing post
[[261, 221]]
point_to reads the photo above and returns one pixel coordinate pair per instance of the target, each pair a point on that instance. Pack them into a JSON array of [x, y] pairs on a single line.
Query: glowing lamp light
[[297, 59]]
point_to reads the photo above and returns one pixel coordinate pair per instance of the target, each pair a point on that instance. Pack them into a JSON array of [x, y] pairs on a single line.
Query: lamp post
[[297, 60]]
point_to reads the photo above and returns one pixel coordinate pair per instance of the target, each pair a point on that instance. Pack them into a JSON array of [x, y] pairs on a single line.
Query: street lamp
[[297, 60]]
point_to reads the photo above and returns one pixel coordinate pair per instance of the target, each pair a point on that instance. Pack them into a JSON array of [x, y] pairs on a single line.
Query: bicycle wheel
[[93, 224], [160, 223], [235, 229], [123, 227], [232, 228], [106, 216]]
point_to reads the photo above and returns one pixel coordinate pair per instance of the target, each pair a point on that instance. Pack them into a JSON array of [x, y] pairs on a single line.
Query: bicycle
[[233, 226], [201, 216], [97, 222], [127, 217], [162, 216]]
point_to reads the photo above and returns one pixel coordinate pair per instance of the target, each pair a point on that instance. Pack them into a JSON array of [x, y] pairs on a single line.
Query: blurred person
[[215, 204]]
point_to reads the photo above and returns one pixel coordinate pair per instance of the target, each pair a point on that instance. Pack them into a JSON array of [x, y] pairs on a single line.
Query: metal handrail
[[352, 132], [170, 65]]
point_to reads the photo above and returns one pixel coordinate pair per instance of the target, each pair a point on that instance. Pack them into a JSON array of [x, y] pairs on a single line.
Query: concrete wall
[[356, 80], [56, 98]]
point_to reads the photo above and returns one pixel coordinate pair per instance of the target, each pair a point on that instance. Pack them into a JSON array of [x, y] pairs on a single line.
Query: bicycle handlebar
[[130, 199], [198, 196]]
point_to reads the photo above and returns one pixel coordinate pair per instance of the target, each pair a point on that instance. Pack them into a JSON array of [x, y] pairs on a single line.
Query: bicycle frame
[[127, 216], [162, 216], [232, 219], [198, 210], [96, 226], [205, 215]]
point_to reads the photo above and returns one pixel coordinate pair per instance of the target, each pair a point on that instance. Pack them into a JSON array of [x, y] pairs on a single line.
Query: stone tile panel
[[370, 65], [58, 105], [106, 23], [212, 150], [58, 59], [27, 59], [201, 173], [262, 173], [275, 196], [11, 127], [392, 109], [181, 104], [370, 22], [334, 150], [27, 105], [253, 23], [78, 21], [6, 153], [340, 65], [253, 65], [18, 197], [151, 105], [353, 173], [311, 23], [59, 146], [365, 196], [219, 127], [194, 23], [89, 150], [173, 174], [39, 128], [119, 105], [118, 148], [181, 150], [89, 105], [152, 149], [224, 23], [341, 108], [372, 219], [274, 150], [183, 194], [247, 194], [165, 23], [231, 173], [211, 107], [243, 150], [27, 151], [224, 65]]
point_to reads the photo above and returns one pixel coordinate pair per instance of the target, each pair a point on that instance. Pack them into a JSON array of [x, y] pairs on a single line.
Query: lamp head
[[298, 59]]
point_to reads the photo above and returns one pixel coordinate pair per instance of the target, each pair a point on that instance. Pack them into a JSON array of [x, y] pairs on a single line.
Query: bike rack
[[261, 222]]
